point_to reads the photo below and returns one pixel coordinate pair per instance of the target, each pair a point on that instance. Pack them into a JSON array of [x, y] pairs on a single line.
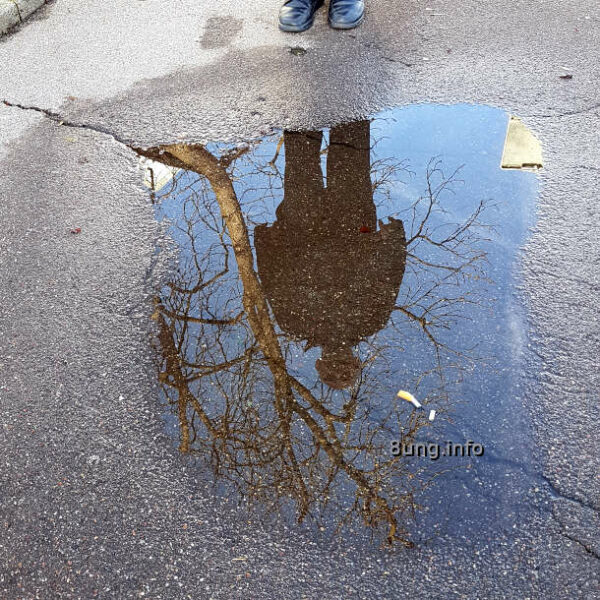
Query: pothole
[[321, 273]]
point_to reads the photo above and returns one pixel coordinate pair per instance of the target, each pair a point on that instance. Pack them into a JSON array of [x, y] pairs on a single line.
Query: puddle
[[320, 273]]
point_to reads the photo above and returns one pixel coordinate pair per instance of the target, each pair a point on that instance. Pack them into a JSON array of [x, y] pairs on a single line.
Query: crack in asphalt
[[585, 546], [383, 55], [579, 111], [57, 118], [577, 280], [18, 10], [535, 476], [557, 494], [541, 479]]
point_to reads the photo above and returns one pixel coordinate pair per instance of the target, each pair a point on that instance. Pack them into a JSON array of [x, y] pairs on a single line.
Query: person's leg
[[346, 14], [349, 187], [298, 15], [303, 180]]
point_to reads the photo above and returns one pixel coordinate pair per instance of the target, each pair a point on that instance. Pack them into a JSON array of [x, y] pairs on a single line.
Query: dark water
[[321, 272]]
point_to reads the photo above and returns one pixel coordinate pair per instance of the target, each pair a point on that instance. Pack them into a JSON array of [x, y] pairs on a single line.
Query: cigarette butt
[[431, 415], [409, 398]]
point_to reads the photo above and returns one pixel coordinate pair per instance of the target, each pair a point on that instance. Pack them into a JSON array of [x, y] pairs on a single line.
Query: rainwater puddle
[[319, 274]]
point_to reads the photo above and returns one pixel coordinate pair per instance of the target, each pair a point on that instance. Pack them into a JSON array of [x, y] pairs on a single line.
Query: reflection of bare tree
[[226, 370], [442, 256]]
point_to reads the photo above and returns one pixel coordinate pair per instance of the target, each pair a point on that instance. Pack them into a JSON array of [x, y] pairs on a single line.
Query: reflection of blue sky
[[463, 136], [470, 137], [488, 400], [467, 135]]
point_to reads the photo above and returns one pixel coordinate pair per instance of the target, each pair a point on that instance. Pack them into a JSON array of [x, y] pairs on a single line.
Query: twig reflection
[[230, 353]]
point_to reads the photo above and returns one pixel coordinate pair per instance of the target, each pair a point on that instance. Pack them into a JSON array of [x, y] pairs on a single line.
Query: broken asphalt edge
[[14, 12]]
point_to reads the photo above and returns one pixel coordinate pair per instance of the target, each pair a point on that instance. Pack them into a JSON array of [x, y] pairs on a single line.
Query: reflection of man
[[331, 278]]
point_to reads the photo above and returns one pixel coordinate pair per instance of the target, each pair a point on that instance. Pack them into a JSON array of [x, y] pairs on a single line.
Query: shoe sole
[[303, 27], [356, 23]]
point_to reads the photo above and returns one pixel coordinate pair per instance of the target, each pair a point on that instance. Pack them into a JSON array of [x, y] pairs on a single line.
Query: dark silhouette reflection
[[330, 276], [232, 342]]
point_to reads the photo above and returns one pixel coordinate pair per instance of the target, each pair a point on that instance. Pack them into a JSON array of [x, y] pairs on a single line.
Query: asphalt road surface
[[95, 501]]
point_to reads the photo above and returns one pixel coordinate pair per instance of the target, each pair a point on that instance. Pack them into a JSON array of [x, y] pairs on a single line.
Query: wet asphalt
[[95, 500]]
